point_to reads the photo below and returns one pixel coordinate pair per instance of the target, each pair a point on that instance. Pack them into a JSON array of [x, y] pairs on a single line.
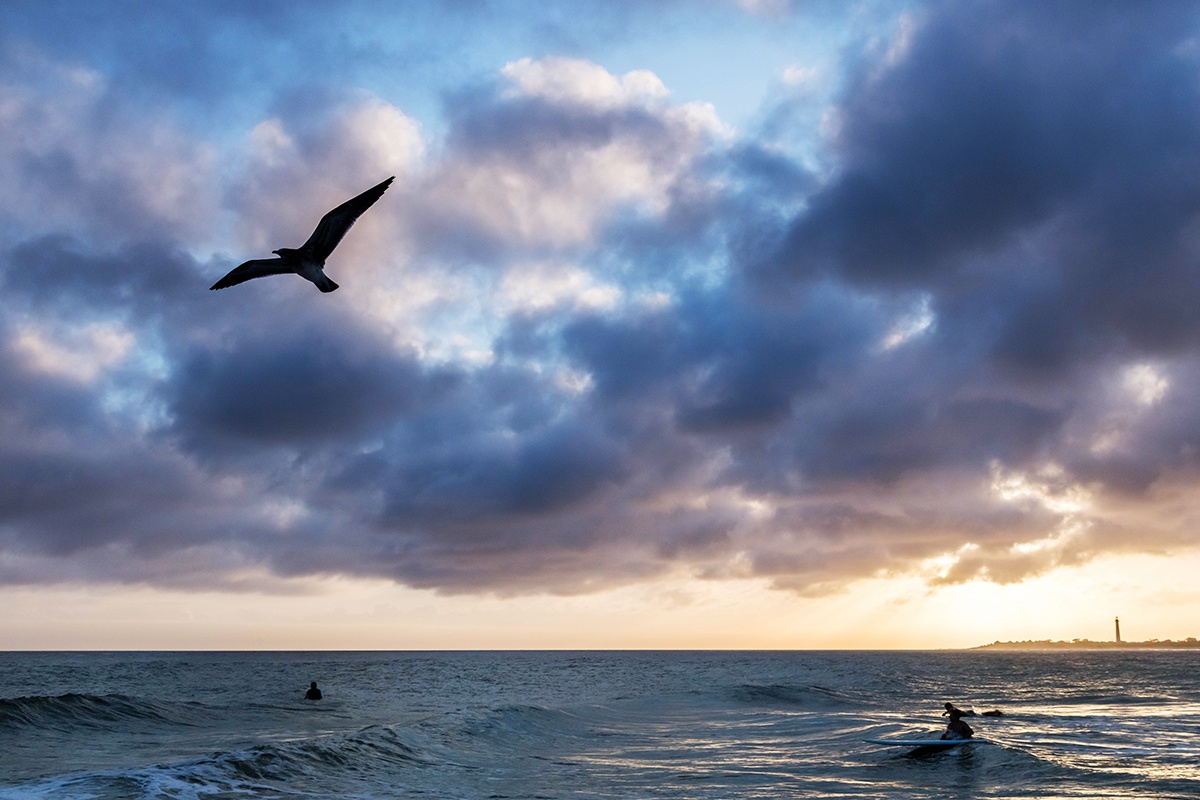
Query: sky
[[694, 324]]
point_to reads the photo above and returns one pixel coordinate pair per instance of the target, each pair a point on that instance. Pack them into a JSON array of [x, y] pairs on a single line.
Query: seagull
[[309, 261]]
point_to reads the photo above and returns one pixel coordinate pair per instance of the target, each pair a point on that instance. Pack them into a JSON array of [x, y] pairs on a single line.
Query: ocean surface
[[596, 725]]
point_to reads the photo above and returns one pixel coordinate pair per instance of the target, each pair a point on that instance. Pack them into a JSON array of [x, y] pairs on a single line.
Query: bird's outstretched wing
[[257, 268], [333, 226]]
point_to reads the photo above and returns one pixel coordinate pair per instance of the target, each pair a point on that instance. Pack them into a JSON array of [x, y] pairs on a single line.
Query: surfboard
[[924, 742]]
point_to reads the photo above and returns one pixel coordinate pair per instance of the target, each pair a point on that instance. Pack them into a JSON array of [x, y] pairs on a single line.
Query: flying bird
[[309, 261]]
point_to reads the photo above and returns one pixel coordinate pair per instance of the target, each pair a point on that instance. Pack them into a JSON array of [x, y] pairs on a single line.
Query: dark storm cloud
[[315, 384], [995, 117], [1024, 164], [559, 467], [722, 360], [141, 277]]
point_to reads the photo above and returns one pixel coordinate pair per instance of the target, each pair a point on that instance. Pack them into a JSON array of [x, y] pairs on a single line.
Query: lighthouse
[[1117, 621]]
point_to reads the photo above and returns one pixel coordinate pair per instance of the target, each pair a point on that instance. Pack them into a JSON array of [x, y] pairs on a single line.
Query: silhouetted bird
[[309, 261]]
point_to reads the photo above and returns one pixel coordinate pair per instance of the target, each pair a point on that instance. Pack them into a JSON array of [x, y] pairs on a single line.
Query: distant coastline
[[1189, 643]]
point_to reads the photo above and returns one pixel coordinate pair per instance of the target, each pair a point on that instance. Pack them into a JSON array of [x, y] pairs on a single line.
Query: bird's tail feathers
[[328, 286]]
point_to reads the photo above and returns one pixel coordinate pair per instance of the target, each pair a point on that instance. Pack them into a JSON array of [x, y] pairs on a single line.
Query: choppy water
[[595, 725]]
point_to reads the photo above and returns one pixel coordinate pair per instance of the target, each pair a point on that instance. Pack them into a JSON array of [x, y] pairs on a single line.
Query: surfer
[[956, 728], [950, 709], [313, 692], [995, 712]]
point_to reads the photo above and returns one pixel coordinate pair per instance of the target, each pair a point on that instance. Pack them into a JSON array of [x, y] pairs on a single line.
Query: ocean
[[596, 724]]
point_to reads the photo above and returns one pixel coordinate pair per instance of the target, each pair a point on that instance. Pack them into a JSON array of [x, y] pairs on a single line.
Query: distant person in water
[[313, 692], [957, 729], [995, 712]]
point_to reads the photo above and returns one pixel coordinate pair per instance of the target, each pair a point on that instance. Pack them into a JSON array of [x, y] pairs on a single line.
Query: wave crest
[[69, 711]]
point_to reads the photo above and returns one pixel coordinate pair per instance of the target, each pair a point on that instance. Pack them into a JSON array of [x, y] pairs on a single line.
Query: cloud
[[592, 336], [1037, 216], [76, 153], [323, 382], [64, 275], [302, 166], [542, 164], [566, 81], [964, 137]]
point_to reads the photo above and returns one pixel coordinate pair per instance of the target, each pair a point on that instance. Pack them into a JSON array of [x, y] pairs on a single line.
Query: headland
[[1189, 643]]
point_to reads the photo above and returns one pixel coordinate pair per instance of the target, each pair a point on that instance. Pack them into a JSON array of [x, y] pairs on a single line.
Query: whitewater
[[595, 724]]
